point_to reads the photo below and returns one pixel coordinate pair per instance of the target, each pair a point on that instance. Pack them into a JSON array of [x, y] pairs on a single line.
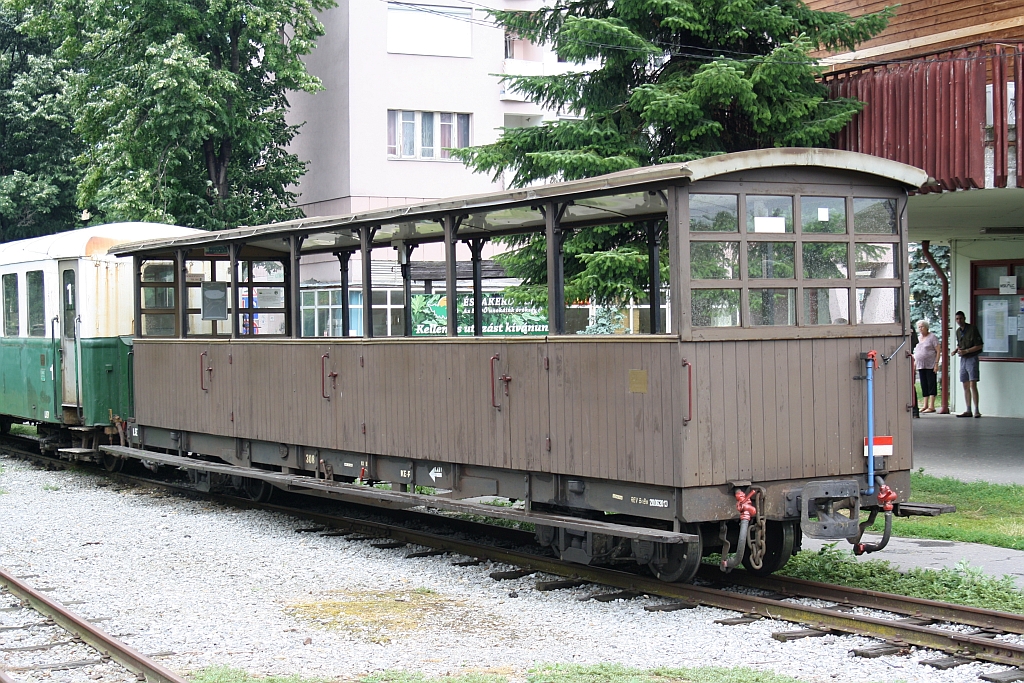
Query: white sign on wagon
[[1007, 284], [769, 224]]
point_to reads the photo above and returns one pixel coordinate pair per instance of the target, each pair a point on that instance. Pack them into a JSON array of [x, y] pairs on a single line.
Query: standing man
[[968, 346]]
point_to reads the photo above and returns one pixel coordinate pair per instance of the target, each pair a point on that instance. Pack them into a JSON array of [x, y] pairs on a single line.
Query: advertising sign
[[501, 317]]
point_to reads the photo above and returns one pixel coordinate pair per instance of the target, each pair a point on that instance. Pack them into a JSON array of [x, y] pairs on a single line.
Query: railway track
[[57, 631], [897, 622]]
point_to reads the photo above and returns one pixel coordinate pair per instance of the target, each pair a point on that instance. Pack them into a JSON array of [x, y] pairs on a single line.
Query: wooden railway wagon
[[742, 425], [67, 325]]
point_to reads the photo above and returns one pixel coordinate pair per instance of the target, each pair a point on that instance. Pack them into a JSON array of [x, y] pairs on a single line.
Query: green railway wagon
[[67, 323]]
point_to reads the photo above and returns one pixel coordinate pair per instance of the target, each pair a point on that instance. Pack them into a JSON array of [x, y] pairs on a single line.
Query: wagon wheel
[[258, 489], [780, 539], [678, 561], [112, 463]]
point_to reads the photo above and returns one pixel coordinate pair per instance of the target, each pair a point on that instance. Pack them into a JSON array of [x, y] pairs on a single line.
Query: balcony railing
[[953, 113]]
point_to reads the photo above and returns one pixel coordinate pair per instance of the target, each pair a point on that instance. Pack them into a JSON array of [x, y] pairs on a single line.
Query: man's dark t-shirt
[[966, 338]]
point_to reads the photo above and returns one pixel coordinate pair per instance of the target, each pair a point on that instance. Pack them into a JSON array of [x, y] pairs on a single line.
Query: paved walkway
[[987, 449], [907, 553]]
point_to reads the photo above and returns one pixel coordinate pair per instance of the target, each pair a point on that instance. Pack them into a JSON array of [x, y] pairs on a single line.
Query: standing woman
[[925, 355]]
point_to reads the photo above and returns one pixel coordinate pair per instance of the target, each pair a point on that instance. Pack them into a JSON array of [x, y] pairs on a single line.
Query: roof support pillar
[[293, 297], [233, 251], [366, 234], [654, 269], [556, 266], [343, 260], [678, 263], [181, 294], [476, 248], [137, 284], [944, 316], [451, 230], [404, 255]]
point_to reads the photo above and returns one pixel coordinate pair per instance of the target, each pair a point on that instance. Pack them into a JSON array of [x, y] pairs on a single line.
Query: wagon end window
[[874, 216], [768, 213], [715, 307], [36, 303], [12, 326], [877, 305], [714, 213], [823, 215]]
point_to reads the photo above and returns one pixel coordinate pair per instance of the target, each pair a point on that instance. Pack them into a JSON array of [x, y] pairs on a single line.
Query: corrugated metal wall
[[607, 408]]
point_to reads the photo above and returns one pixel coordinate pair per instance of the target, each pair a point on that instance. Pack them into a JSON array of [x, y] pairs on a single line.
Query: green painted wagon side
[[29, 379], [106, 379]]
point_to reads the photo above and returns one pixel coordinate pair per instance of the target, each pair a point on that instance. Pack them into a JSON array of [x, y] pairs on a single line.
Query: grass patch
[[597, 673], [223, 674], [24, 430], [992, 514], [380, 615], [51, 487], [961, 585]]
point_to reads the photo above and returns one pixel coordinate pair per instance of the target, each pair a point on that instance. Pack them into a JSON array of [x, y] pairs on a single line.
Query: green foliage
[[607, 320], [925, 287], [662, 82], [596, 673], [961, 585], [37, 142], [992, 514], [181, 104]]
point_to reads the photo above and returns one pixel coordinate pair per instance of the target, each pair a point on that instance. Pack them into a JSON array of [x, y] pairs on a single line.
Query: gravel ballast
[[220, 586]]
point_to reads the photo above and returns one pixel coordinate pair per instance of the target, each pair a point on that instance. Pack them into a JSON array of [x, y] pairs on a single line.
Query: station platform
[[986, 449]]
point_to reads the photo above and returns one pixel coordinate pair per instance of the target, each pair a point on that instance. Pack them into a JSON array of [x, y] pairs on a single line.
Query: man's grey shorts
[[969, 369]]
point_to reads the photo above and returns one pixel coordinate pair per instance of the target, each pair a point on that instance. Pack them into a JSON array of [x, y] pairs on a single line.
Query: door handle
[[689, 390], [494, 403], [202, 371], [324, 375]]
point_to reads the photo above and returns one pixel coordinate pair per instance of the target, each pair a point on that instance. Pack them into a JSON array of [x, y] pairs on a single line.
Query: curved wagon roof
[[93, 241], [631, 195]]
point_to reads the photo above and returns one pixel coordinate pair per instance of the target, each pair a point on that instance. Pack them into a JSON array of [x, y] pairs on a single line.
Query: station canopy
[[633, 195]]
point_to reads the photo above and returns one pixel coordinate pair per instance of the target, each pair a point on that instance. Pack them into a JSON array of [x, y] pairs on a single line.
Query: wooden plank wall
[[971, 19], [763, 410]]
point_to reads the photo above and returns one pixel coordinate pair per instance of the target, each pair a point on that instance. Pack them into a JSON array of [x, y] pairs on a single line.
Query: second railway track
[[897, 622]]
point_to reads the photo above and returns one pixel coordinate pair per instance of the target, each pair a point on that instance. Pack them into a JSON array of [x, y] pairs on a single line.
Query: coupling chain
[[756, 541]]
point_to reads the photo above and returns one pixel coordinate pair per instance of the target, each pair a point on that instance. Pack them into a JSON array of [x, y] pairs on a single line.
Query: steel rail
[[108, 646], [862, 597], [897, 632]]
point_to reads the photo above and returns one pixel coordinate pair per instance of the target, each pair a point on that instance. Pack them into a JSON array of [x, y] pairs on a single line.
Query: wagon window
[[768, 213], [716, 307], [714, 213], [878, 305], [826, 306], [874, 216], [823, 215], [158, 299], [715, 260], [36, 304], [12, 327], [261, 301], [770, 260], [826, 260]]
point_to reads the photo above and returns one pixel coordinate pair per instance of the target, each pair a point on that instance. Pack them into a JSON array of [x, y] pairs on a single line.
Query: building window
[[997, 307], [12, 326], [426, 134], [36, 304], [322, 313]]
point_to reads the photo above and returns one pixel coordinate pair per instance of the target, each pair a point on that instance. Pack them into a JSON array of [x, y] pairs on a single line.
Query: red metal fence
[[930, 112]]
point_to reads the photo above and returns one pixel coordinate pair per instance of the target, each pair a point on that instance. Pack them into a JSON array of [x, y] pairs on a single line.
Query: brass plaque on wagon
[[638, 381]]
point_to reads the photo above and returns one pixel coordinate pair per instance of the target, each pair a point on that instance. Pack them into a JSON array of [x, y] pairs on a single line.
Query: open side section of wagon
[[742, 424]]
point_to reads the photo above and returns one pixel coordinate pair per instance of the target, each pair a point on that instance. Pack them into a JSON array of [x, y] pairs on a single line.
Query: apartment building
[[404, 82]]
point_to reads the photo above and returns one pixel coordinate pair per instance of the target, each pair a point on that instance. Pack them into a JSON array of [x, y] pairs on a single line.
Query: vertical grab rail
[[202, 371], [493, 402], [689, 391], [323, 377]]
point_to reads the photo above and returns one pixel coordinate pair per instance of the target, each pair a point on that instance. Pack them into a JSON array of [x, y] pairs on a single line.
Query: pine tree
[[662, 81]]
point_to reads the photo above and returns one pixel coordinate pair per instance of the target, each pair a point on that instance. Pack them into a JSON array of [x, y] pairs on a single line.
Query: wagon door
[[70, 346], [527, 403]]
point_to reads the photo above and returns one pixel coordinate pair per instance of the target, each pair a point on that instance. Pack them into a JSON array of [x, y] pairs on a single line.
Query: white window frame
[[399, 134]]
